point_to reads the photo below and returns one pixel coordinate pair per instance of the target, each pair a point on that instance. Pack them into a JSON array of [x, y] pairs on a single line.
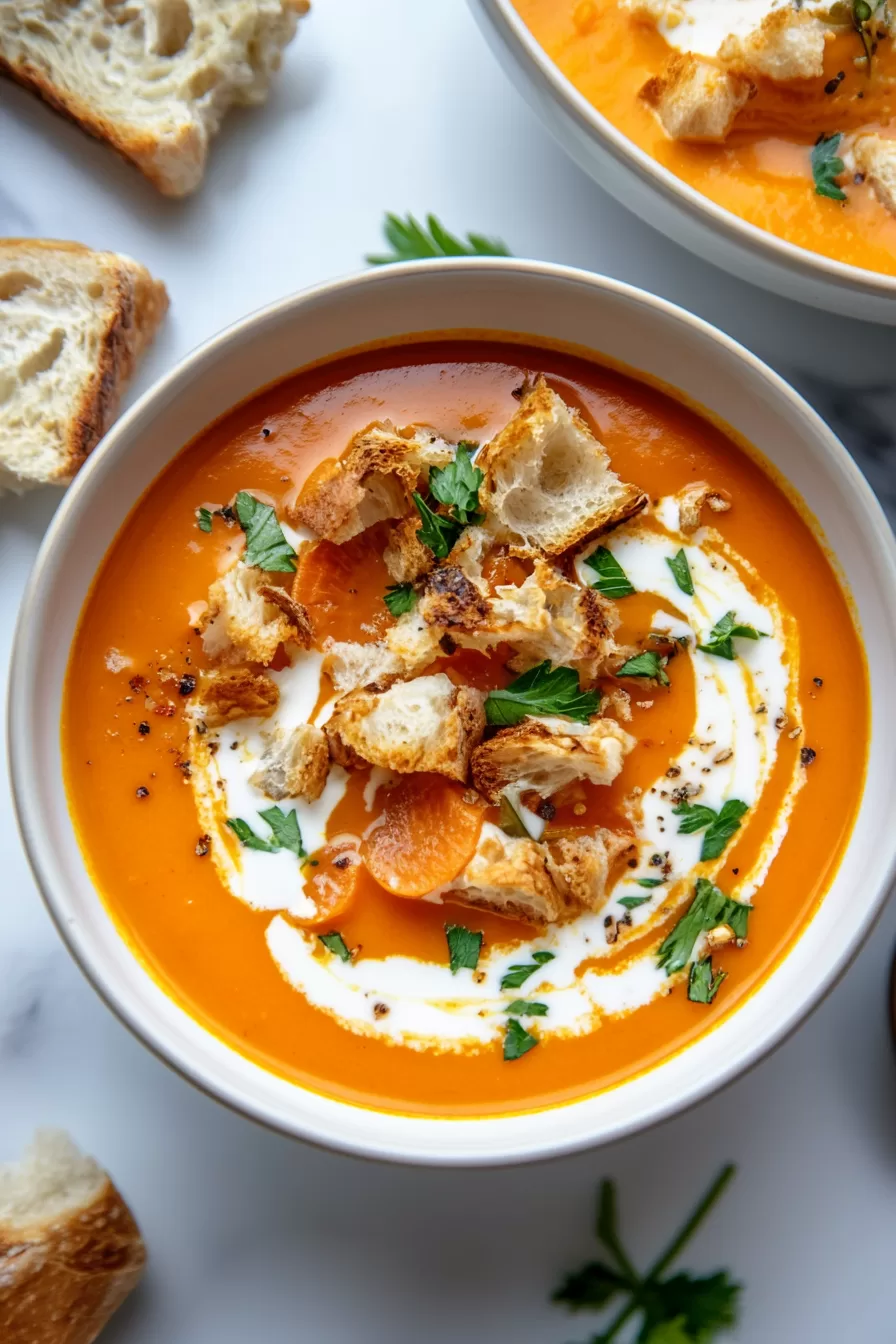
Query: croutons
[[509, 876], [875, 156], [695, 99], [372, 480], [408, 647], [405, 556], [580, 866], [234, 693], [428, 724], [295, 764], [692, 500], [548, 480], [248, 618], [787, 45], [544, 755], [452, 601]]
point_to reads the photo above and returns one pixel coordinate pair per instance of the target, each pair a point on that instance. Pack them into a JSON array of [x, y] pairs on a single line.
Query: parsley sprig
[[517, 1041], [681, 572], [703, 986], [612, 580], [520, 971], [266, 546], [709, 909], [718, 641], [335, 943], [719, 826], [827, 165], [400, 598], [464, 947], [455, 486], [681, 1309], [542, 690], [285, 833], [649, 664], [411, 241]]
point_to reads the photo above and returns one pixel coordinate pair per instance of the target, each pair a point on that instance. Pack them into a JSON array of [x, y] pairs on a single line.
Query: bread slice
[[875, 157], [548, 480], [234, 693], [580, 867], [70, 1251], [544, 755], [153, 79], [248, 618], [695, 99], [295, 764], [73, 324], [509, 876]]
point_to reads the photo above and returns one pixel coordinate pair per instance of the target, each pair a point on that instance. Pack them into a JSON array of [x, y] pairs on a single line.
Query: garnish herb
[[266, 546], [632, 902], [517, 1040], [520, 971], [457, 485], [285, 833], [612, 580], [709, 909], [681, 572], [702, 984], [826, 163], [522, 1008], [862, 14], [510, 821], [649, 881], [542, 690], [437, 531], [681, 1309], [400, 597], [204, 519], [723, 632], [335, 943], [464, 947], [720, 826], [648, 664], [411, 241]]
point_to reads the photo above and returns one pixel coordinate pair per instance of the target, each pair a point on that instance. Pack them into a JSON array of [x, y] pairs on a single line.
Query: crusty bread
[[70, 1251], [695, 99], [508, 875], [405, 556], [875, 156], [295, 764], [409, 646], [234, 693], [248, 618], [694, 498], [580, 866], [544, 755], [153, 78], [548, 480], [787, 45], [427, 724], [73, 324]]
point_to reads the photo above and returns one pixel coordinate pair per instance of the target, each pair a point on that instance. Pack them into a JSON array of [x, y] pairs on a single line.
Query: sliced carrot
[[331, 884], [427, 834], [342, 587]]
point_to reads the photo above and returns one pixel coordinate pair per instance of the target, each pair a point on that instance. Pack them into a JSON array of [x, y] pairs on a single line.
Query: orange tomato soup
[[762, 172], [133, 805]]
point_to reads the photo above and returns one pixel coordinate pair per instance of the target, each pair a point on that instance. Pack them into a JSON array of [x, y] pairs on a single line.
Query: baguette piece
[[73, 324], [545, 754], [70, 1251], [152, 78]]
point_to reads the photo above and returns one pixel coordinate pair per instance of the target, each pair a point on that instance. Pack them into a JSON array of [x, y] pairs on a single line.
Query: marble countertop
[[399, 105]]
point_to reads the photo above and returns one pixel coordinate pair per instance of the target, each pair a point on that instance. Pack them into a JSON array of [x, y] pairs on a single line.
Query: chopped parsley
[[649, 881], [523, 1008], [709, 909], [517, 1040], [612, 580], [542, 690], [703, 986], [457, 485], [400, 597], [266, 546], [681, 572], [411, 241], [285, 833], [464, 947], [438, 531], [632, 902], [826, 163], [681, 1309], [719, 826], [204, 519], [648, 664], [335, 943], [718, 641], [520, 971]]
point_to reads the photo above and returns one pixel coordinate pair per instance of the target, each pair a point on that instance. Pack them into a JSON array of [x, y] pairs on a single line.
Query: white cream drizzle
[[701, 26]]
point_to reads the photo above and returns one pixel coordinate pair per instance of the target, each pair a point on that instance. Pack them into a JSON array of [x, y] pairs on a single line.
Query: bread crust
[[235, 693]]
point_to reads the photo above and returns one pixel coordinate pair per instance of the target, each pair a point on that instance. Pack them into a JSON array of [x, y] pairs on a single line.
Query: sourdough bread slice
[[70, 1251], [73, 324], [153, 78]]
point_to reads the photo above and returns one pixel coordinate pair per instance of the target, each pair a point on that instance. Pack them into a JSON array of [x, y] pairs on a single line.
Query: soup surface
[[513, 784], [770, 108]]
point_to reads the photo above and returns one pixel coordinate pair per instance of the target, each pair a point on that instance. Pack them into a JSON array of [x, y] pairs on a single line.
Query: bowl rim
[[812, 265], [151, 1031]]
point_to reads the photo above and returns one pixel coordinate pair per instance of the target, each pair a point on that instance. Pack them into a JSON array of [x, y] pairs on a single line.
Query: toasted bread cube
[[788, 45], [695, 99], [580, 867], [248, 618], [548, 480], [295, 764], [405, 556], [875, 156], [428, 724], [409, 646], [372, 480], [509, 876], [234, 693], [694, 498], [543, 755]]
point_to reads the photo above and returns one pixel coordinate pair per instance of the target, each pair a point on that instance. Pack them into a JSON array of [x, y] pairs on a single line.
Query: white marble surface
[[399, 105]]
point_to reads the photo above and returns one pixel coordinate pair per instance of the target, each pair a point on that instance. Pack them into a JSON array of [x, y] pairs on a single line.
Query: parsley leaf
[[335, 943], [632, 902], [517, 1040], [709, 908], [410, 241], [647, 664], [722, 633], [612, 580], [266, 546], [720, 826], [457, 485], [400, 597], [827, 167], [699, 1307], [510, 821], [522, 1008], [247, 837], [204, 519], [520, 971], [437, 532], [681, 572], [696, 817], [285, 833], [702, 985], [649, 881], [464, 947], [542, 690], [591, 1287]]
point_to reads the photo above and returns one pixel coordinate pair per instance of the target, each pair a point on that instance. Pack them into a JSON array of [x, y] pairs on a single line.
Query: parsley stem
[[606, 1231], [617, 1323], [684, 1235]]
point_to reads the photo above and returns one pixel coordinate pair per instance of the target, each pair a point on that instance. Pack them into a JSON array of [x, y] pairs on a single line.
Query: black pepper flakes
[[807, 755], [187, 684], [143, 728], [380, 1010], [546, 810], [342, 862], [203, 845], [265, 433], [818, 681], [143, 791]]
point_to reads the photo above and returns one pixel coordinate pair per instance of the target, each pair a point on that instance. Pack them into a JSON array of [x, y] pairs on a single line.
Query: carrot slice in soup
[[427, 834], [332, 885], [342, 587]]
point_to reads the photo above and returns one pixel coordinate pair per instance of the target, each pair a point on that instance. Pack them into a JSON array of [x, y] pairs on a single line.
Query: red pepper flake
[[143, 791]]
